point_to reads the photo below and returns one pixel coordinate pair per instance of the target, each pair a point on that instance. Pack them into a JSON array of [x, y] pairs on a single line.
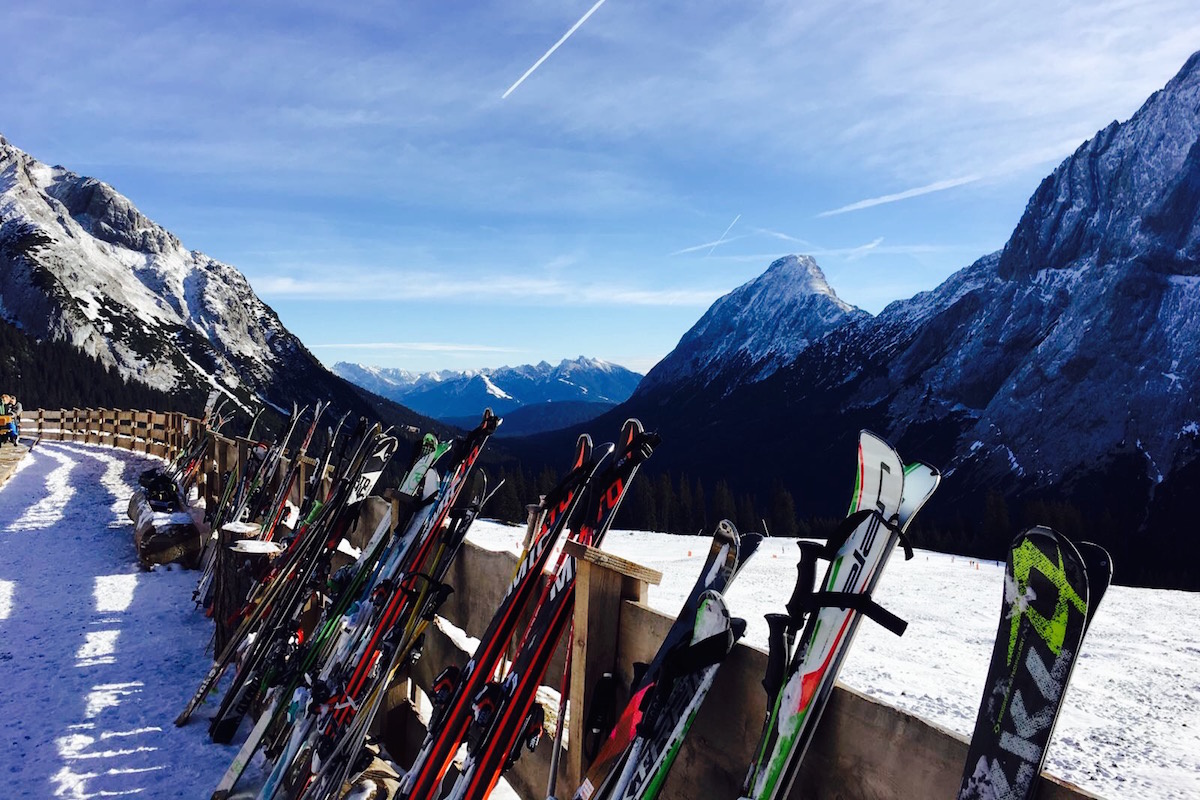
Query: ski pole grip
[[806, 579], [777, 625]]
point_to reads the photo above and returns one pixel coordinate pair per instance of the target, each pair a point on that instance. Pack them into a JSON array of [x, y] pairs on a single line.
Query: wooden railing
[[153, 432]]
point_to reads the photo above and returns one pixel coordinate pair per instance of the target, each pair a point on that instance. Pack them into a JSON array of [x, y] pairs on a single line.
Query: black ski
[[1051, 590]]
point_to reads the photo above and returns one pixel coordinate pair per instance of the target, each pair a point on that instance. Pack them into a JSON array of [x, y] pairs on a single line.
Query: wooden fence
[[153, 432], [863, 749]]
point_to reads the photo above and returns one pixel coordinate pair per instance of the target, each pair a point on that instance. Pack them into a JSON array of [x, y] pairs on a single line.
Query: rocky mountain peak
[[757, 328]]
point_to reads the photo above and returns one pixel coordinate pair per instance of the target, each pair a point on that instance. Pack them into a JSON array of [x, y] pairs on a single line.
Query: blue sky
[[362, 166]]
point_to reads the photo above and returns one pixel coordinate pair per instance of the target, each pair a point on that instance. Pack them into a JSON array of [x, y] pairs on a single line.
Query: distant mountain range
[[79, 264], [590, 387], [1055, 381]]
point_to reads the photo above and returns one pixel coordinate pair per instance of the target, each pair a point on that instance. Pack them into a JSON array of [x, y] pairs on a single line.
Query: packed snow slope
[[1130, 729]]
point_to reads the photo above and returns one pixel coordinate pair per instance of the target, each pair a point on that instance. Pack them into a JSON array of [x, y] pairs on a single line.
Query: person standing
[[10, 409]]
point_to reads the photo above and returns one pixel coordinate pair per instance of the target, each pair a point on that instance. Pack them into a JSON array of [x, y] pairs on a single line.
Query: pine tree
[[723, 506], [782, 516]]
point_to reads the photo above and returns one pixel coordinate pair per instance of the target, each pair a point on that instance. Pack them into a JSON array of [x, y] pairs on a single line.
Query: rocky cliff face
[[1064, 368], [80, 264]]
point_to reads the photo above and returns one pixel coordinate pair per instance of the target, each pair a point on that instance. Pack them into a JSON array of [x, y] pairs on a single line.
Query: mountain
[[540, 417], [79, 264], [1055, 381], [753, 331], [448, 395]]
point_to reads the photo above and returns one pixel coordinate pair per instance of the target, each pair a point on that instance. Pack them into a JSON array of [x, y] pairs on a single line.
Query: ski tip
[[727, 534], [583, 450]]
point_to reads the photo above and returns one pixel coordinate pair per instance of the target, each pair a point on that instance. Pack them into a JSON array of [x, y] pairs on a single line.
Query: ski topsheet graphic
[[1051, 590], [886, 497]]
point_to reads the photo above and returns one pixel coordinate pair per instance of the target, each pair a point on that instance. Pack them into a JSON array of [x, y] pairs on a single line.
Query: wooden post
[[603, 581]]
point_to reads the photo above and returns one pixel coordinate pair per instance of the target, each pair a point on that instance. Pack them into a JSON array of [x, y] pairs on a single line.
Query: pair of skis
[[495, 718], [809, 643], [1052, 588], [639, 752]]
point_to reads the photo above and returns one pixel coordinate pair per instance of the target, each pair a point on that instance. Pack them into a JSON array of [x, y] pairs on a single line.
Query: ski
[[1051, 592], [727, 554], [313, 549], [288, 696], [677, 699], [505, 715], [455, 687], [886, 497], [295, 559]]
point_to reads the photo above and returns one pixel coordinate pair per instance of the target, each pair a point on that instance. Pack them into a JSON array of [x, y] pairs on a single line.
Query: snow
[[1130, 728], [494, 390], [97, 657]]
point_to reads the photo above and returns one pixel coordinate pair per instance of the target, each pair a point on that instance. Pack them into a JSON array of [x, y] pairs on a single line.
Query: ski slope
[[97, 657]]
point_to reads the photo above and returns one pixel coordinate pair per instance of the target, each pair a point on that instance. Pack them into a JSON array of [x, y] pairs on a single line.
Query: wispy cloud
[[556, 45], [350, 285], [930, 188]]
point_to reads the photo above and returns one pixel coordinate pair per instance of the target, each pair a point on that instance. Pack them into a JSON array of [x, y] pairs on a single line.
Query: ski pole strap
[[862, 603]]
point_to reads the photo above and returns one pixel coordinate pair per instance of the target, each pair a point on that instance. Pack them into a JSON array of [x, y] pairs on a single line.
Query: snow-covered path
[[96, 656]]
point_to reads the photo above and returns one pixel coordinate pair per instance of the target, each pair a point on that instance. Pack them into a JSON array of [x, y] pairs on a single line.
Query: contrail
[[939, 186], [557, 45], [723, 235]]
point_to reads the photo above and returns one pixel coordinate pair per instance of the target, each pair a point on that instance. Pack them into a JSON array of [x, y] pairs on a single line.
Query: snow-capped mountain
[[754, 330], [1057, 380], [449, 395], [80, 264]]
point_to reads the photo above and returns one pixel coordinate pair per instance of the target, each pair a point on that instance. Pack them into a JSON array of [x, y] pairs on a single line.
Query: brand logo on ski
[[1053, 630]]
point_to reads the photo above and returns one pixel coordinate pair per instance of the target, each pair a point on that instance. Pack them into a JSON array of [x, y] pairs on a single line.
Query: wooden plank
[[593, 555], [593, 652]]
